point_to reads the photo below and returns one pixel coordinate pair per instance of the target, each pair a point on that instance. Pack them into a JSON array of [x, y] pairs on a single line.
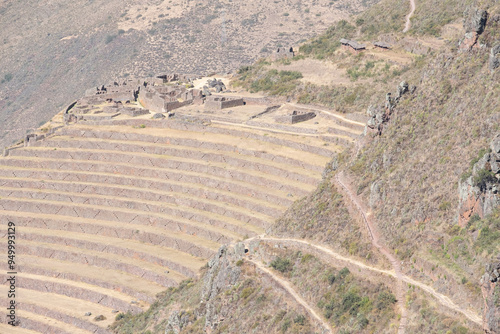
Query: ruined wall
[[295, 118], [151, 101], [219, 103]]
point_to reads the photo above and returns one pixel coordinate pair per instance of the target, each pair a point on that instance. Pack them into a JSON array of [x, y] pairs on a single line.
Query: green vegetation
[[256, 78], [281, 264], [326, 44], [484, 177], [109, 38]]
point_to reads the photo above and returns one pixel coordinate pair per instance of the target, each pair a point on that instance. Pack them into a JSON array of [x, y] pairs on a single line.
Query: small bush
[[246, 292], [385, 300], [300, 319], [281, 264], [110, 38], [484, 177]]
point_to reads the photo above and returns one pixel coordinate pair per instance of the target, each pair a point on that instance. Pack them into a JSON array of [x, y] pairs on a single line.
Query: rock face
[[474, 24], [222, 275], [479, 193], [495, 57], [491, 295], [380, 115]]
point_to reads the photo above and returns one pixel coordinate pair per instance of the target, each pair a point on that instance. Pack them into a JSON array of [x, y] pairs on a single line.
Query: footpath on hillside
[[408, 17]]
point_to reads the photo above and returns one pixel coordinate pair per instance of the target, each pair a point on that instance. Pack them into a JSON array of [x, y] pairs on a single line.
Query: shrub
[[246, 292], [281, 264], [110, 38], [384, 300], [484, 177], [300, 319]]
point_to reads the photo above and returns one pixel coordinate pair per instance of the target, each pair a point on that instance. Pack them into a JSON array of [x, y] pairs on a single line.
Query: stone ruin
[[295, 117], [167, 98], [213, 102], [127, 90]]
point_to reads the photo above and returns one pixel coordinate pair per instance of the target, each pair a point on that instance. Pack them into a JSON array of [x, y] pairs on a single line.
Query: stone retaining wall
[[40, 310], [125, 205], [87, 259], [100, 134], [343, 133], [143, 182], [172, 151], [109, 214], [74, 292], [35, 325], [58, 223], [282, 127], [161, 240], [120, 162], [197, 126], [92, 281], [105, 189]]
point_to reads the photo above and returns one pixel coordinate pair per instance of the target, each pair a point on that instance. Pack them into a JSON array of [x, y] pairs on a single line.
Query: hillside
[[351, 187], [408, 174], [52, 52]]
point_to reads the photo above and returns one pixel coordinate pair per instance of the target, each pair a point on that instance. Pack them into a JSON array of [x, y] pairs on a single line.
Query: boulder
[[495, 57], [158, 116], [402, 89], [475, 20]]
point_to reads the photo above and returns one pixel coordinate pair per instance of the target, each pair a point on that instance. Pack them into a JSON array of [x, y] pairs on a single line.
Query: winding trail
[[372, 229], [287, 286], [408, 17], [442, 299]]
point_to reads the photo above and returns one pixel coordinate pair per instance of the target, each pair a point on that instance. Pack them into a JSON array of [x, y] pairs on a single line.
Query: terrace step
[[169, 193], [172, 181], [132, 167], [262, 173], [266, 151], [106, 297], [187, 152], [103, 212], [112, 238], [99, 276], [42, 324], [240, 223], [65, 309], [4, 328]]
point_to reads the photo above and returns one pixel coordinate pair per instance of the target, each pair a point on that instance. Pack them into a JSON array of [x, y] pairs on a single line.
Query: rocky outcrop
[[491, 295], [495, 57], [474, 24], [379, 115], [479, 193], [222, 275]]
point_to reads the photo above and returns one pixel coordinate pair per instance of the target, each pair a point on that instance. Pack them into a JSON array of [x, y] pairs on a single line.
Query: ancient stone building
[[295, 117], [218, 102]]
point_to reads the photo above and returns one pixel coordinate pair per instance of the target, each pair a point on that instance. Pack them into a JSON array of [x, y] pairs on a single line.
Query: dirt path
[[286, 285], [408, 17], [344, 184], [442, 299]]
